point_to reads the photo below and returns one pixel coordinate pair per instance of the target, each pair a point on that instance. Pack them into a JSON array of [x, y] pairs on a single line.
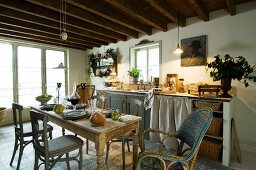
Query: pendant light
[[178, 50], [63, 18]]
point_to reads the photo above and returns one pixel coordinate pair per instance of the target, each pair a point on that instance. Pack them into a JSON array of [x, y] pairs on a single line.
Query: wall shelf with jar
[[104, 65]]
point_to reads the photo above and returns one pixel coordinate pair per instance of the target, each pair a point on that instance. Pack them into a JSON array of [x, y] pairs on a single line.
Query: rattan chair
[[23, 132], [50, 152], [190, 135], [132, 107]]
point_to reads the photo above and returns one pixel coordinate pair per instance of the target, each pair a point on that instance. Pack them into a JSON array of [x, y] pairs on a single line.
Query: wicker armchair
[[189, 135]]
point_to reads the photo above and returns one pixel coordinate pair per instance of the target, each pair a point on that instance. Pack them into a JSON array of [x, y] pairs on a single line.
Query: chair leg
[[80, 158], [67, 156], [20, 155], [15, 148], [63, 131], [50, 134], [128, 146], [36, 162], [123, 153], [87, 146], [107, 149]]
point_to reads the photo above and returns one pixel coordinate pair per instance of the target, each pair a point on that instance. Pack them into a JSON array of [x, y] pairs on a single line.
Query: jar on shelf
[[181, 88]]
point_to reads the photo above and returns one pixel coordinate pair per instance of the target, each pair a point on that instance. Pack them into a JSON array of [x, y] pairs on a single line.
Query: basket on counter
[[215, 106], [211, 148]]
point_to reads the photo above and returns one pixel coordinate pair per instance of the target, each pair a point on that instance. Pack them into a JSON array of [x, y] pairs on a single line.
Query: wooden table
[[99, 135]]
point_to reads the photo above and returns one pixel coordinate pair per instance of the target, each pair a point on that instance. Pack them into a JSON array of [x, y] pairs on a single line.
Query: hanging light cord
[[178, 29]]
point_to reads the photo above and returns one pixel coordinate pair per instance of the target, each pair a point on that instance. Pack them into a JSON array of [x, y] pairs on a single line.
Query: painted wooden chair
[[50, 152], [23, 133], [190, 135]]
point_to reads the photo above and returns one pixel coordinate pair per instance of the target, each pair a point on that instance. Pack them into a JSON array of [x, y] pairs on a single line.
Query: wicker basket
[[214, 106], [2, 109], [215, 127], [211, 149]]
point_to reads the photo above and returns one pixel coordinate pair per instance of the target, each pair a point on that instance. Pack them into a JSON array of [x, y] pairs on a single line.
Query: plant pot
[[135, 80], [225, 86]]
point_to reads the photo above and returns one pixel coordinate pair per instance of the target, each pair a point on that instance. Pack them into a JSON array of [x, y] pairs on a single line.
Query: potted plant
[[227, 68], [134, 73]]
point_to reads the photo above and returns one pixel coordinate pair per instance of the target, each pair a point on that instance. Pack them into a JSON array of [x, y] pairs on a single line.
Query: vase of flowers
[[134, 73], [227, 68]]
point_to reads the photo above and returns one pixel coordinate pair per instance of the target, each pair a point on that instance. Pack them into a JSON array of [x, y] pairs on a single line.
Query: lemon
[[58, 108]]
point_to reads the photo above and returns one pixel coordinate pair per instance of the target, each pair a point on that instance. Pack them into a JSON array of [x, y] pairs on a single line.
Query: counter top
[[143, 92]]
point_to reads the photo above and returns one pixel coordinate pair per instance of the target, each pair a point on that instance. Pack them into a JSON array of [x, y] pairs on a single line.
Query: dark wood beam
[[33, 38], [108, 13], [200, 9], [130, 8], [87, 16], [36, 27], [231, 7], [166, 10], [44, 34], [49, 15]]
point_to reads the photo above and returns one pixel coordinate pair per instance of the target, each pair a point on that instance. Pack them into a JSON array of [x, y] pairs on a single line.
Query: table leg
[[100, 146], [135, 144]]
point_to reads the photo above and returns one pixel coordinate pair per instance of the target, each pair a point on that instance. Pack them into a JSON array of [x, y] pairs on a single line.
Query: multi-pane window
[[147, 59], [6, 78], [26, 72]]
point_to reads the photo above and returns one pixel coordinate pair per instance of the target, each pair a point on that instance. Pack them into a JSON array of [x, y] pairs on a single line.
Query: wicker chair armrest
[[169, 134]]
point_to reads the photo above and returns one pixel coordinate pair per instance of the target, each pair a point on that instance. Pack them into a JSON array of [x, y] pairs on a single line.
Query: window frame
[[43, 49], [132, 55]]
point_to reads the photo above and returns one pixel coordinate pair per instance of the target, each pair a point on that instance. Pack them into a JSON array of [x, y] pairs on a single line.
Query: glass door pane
[[6, 76], [54, 76], [29, 75]]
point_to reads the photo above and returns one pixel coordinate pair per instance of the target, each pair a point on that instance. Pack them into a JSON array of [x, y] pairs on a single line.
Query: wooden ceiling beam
[[130, 8], [165, 9], [108, 13], [87, 16], [200, 9], [44, 34], [49, 15], [38, 27], [231, 7], [39, 39]]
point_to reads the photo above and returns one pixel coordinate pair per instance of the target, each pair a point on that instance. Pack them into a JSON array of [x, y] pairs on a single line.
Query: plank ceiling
[[92, 23]]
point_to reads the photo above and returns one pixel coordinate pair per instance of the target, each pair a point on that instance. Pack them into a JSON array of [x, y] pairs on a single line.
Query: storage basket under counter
[[213, 145]]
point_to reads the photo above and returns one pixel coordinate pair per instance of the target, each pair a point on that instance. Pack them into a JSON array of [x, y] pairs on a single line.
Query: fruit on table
[[58, 108], [98, 118], [115, 115]]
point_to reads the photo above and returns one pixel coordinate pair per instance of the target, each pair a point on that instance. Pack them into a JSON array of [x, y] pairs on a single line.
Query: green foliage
[[44, 96], [134, 72], [234, 67]]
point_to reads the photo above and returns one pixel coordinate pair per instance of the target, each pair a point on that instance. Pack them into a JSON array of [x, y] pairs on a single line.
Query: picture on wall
[[194, 51]]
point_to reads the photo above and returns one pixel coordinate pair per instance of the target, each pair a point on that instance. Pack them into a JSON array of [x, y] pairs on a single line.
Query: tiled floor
[[89, 161]]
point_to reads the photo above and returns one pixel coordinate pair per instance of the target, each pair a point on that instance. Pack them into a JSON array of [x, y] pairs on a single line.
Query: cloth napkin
[[149, 97], [126, 118]]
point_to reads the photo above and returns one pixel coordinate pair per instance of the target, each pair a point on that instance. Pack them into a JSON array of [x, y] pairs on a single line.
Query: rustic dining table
[[98, 134]]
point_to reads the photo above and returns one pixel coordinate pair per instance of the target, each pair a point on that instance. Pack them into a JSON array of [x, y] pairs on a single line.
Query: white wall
[[235, 35]]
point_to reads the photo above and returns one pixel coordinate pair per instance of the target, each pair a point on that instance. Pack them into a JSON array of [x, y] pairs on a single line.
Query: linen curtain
[[167, 114]]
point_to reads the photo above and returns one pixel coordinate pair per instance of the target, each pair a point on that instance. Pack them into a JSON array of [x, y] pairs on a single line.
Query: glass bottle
[[74, 98], [181, 86]]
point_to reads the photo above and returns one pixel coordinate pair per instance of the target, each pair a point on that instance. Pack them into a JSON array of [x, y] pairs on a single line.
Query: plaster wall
[[225, 34]]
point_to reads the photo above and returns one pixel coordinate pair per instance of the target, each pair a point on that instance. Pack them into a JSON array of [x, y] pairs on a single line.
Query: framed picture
[[194, 51], [172, 82]]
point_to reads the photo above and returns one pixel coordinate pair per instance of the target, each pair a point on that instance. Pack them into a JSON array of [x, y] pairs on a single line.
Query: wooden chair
[[85, 92], [190, 133], [23, 133], [51, 152], [132, 107]]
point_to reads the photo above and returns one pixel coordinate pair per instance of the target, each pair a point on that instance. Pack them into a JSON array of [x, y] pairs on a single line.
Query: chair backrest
[[85, 92], [194, 128], [40, 140], [17, 117]]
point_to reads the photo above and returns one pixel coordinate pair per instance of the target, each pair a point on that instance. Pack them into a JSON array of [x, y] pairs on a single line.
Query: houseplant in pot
[[134, 73], [227, 68]]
